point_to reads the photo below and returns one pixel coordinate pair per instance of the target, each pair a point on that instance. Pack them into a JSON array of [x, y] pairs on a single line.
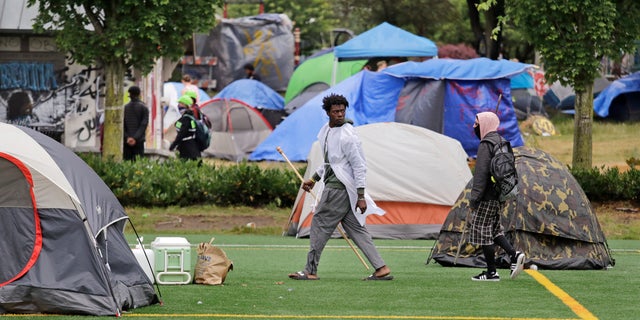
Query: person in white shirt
[[343, 199]]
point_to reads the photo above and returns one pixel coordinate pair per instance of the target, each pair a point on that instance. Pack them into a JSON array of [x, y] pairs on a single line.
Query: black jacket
[[136, 120], [483, 188], [185, 139]]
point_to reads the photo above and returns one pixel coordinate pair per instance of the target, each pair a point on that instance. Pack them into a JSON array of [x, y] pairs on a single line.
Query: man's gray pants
[[333, 208]]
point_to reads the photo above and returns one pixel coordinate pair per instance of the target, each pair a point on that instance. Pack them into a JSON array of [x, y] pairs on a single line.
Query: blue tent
[[386, 40], [439, 94], [298, 131], [253, 93], [620, 100]]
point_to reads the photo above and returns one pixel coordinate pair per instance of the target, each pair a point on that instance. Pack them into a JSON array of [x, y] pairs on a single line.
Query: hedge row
[[609, 184], [148, 183]]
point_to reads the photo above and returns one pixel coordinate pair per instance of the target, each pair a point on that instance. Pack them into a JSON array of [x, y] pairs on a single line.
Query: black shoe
[[485, 276]]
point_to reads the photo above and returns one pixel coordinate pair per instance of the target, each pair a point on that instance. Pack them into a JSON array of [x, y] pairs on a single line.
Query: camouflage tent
[[551, 220]]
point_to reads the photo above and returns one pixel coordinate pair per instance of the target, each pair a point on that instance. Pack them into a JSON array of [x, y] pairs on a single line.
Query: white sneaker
[[518, 265]]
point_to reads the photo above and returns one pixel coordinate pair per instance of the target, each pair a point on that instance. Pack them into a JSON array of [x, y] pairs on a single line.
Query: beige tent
[[413, 173], [236, 128]]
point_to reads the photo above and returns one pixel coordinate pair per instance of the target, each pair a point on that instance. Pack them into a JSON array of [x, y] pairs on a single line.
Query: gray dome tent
[[551, 220], [236, 128], [61, 234]]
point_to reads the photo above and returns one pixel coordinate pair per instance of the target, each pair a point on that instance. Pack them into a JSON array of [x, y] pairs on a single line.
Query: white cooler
[[172, 260], [142, 260]]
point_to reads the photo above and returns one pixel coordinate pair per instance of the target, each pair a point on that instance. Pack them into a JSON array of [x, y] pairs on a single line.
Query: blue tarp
[[253, 93], [522, 81], [604, 100], [386, 40], [297, 132], [454, 69], [374, 97]]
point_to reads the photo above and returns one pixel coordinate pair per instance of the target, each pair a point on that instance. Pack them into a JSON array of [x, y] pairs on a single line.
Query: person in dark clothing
[[186, 127], [485, 228], [136, 120], [250, 71]]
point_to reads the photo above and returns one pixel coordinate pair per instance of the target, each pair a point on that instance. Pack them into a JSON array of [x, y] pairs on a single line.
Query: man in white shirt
[[343, 199]]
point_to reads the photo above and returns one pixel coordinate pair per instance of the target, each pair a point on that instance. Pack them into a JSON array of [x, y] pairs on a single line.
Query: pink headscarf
[[488, 121]]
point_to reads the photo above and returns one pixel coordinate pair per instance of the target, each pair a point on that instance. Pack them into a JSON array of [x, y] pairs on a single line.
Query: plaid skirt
[[485, 223]]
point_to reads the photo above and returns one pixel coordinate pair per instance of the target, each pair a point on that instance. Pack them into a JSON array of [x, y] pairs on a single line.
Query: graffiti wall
[[64, 104]]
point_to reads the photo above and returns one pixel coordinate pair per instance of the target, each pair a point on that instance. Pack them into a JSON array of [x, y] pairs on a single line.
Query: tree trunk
[[112, 136], [583, 120]]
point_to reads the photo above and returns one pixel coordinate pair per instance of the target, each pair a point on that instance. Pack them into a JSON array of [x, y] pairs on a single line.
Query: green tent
[[319, 69]]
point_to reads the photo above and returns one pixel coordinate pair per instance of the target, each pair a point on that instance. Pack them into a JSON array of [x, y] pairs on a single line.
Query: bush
[[609, 184], [149, 183], [153, 183]]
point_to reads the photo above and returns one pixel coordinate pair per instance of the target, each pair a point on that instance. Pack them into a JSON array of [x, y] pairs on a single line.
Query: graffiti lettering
[[29, 76], [83, 134]]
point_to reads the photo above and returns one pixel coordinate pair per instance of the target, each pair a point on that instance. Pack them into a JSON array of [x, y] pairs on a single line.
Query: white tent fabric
[[19, 145], [412, 172]]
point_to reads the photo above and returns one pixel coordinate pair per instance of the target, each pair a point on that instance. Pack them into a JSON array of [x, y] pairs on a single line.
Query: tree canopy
[[118, 35], [134, 33], [572, 38]]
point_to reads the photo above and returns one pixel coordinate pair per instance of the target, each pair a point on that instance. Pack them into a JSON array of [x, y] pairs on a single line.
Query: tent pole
[[335, 70]]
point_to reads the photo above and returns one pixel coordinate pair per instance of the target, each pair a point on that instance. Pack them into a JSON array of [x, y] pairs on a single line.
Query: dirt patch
[[206, 222]]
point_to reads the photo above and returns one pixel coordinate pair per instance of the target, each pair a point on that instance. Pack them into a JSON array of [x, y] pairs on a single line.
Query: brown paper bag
[[212, 264]]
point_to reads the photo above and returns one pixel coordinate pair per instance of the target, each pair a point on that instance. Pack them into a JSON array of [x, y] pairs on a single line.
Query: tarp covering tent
[[620, 101], [257, 95], [56, 215], [386, 40], [171, 91], [236, 128], [439, 94], [298, 131], [265, 41], [319, 69], [551, 220], [413, 173]]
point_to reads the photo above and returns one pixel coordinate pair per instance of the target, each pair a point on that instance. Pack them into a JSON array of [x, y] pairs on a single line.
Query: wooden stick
[[344, 236], [498, 105]]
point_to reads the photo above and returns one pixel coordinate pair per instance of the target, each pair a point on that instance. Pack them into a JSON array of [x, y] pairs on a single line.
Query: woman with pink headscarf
[[485, 228]]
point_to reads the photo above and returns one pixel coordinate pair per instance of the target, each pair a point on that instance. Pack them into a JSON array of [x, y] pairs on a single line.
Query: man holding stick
[[343, 199]]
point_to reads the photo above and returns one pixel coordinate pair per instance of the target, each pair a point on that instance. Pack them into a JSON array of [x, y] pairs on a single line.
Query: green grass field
[[258, 287]]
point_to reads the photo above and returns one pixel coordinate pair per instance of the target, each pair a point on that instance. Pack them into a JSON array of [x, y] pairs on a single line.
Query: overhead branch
[[95, 21]]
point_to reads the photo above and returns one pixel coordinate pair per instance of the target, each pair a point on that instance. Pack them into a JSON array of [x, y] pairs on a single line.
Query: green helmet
[[191, 94], [186, 100]]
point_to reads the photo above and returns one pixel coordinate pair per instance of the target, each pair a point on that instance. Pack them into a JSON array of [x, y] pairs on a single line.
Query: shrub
[[148, 183], [154, 183], [609, 184]]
